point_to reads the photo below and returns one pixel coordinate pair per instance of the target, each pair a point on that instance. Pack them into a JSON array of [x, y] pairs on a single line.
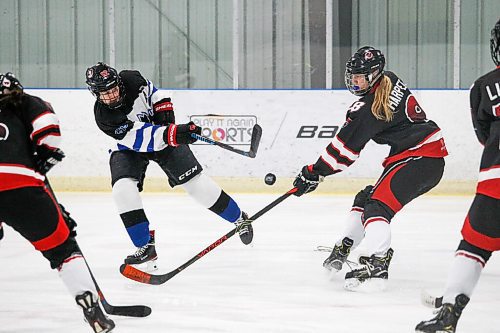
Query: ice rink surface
[[276, 285]]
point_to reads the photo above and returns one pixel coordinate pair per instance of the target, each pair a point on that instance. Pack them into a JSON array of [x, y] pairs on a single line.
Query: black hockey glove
[[181, 134], [46, 158], [69, 221], [307, 180], [163, 112], [362, 197]]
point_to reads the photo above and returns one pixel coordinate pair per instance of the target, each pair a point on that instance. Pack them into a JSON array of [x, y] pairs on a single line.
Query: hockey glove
[[181, 134], [46, 158], [1, 230], [163, 112], [307, 180], [362, 197]]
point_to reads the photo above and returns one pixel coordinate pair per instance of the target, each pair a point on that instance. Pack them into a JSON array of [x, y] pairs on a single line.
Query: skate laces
[[140, 251], [243, 223]]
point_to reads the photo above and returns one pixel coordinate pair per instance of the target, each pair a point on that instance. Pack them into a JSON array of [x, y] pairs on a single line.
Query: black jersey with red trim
[[23, 128], [132, 124], [409, 133], [485, 112]]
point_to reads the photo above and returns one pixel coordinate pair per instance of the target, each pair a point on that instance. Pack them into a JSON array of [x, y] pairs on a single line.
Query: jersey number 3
[[413, 110]]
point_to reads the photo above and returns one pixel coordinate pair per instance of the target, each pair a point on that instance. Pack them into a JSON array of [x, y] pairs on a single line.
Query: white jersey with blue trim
[[132, 123]]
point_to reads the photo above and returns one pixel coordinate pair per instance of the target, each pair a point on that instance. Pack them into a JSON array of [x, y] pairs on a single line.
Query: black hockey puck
[[270, 179]]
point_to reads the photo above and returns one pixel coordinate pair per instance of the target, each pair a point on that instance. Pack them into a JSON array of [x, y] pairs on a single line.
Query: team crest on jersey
[[4, 132]]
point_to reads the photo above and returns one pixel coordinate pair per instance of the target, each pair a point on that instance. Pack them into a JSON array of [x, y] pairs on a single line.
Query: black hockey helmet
[[10, 87], [495, 43], [367, 61], [101, 78]]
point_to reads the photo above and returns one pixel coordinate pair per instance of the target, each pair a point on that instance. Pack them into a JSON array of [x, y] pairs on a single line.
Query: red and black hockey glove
[[362, 197], [181, 134], [307, 180], [46, 158], [163, 112]]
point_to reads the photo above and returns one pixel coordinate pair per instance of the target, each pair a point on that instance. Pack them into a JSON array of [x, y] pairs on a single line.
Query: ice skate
[[339, 255], [446, 319], [245, 229], [93, 313], [372, 276], [145, 255]]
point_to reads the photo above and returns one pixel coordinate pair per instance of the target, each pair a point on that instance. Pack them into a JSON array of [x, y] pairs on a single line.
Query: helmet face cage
[[495, 43], [102, 78], [366, 61]]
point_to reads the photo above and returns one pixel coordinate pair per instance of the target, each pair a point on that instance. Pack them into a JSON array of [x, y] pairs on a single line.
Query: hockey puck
[[270, 179]]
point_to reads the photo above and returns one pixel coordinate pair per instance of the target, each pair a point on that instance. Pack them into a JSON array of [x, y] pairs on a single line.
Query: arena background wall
[[297, 126]]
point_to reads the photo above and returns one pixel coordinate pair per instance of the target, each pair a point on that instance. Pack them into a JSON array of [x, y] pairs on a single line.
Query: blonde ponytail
[[380, 107]]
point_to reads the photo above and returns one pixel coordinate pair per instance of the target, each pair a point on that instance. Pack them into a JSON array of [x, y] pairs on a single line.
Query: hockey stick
[[254, 142], [143, 277], [117, 310], [430, 301]]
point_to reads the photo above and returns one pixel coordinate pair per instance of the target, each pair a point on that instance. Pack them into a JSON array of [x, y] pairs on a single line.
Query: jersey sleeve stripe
[[52, 140], [343, 149], [139, 138], [143, 137], [335, 153], [44, 121], [330, 166]]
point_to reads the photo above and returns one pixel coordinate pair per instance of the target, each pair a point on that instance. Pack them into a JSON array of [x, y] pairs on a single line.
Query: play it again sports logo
[[230, 129]]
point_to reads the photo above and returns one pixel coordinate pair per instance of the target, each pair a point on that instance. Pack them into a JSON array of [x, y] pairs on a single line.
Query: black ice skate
[[245, 229], [145, 254], [446, 319], [339, 255], [93, 313], [375, 269]]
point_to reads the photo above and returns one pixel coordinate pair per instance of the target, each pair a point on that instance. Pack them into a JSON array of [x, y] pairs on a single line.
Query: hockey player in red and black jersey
[[481, 229], [29, 148], [130, 109], [386, 113]]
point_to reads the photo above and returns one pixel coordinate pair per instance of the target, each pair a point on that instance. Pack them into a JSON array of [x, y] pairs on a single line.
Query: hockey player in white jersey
[[141, 119]]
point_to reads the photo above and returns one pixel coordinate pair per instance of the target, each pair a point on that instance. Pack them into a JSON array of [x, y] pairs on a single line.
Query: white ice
[[277, 285]]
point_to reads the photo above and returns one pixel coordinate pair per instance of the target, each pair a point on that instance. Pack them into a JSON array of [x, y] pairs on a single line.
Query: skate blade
[[368, 286]]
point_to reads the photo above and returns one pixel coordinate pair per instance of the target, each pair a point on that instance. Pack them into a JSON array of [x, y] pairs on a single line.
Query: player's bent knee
[[468, 247], [374, 208], [57, 255]]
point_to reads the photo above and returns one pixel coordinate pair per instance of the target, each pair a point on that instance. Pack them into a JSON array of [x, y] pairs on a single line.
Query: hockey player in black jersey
[[29, 148], [386, 113], [481, 229], [130, 109]]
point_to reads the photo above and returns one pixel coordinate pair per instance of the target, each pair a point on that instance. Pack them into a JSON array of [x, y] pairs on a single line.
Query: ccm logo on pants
[[187, 173]]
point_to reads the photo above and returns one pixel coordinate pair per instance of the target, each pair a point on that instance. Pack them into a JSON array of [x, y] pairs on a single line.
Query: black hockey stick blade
[[143, 277], [254, 143], [430, 301], [119, 310], [125, 310]]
